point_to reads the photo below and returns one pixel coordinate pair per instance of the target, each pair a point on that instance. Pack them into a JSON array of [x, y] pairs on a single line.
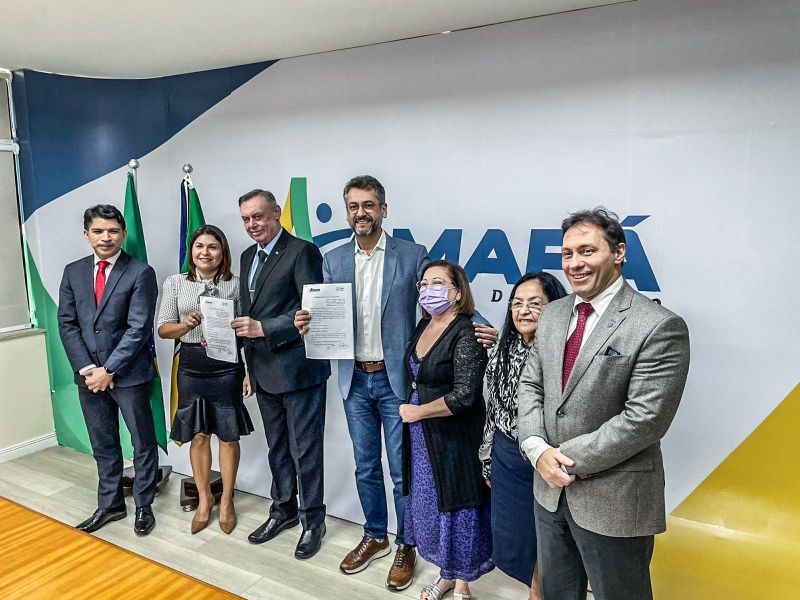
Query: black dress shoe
[[272, 527], [309, 542], [145, 520], [102, 516]]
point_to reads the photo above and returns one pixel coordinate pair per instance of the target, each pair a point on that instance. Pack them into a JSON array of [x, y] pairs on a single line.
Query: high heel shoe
[[228, 525], [197, 524]]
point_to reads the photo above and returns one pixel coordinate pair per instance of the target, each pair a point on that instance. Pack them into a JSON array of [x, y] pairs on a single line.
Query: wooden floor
[[43, 558], [61, 483]]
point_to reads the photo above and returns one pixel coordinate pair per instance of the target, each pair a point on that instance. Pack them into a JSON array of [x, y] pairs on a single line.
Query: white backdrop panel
[[680, 110]]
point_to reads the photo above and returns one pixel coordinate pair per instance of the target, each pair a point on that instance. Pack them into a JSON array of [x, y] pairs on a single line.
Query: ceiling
[[150, 38]]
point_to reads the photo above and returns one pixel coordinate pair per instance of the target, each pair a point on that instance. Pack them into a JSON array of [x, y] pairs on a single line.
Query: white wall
[[26, 417]]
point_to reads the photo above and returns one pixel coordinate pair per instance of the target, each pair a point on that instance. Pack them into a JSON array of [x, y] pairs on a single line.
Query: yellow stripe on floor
[[738, 534]]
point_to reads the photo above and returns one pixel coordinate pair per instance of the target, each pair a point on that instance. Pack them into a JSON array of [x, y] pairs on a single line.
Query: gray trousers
[[569, 556], [101, 413]]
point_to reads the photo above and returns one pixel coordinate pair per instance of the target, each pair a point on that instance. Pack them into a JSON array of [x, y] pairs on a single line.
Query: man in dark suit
[[597, 394], [105, 319], [290, 388]]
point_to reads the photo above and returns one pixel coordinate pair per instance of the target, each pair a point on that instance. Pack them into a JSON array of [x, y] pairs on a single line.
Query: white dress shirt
[[111, 262], [369, 287], [535, 446]]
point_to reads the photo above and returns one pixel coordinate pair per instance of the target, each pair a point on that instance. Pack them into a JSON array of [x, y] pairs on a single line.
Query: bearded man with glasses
[[383, 271]]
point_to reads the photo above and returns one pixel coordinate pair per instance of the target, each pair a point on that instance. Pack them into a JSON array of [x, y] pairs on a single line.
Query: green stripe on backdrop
[[299, 195], [67, 417]]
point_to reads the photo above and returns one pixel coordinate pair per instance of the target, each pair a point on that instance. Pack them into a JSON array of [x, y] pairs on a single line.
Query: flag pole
[[133, 165], [164, 471]]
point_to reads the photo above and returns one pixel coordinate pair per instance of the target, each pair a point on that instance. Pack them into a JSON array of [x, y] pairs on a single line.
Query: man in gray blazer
[[106, 305], [597, 394], [383, 271]]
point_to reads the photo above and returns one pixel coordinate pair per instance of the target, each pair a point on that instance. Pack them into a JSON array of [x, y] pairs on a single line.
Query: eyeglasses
[[369, 207], [531, 305], [436, 284]]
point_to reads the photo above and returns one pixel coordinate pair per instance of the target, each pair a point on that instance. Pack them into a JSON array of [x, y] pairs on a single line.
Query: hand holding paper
[[331, 335], [220, 338]]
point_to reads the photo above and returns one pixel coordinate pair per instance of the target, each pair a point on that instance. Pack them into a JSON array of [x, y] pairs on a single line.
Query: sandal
[[433, 591], [436, 593]]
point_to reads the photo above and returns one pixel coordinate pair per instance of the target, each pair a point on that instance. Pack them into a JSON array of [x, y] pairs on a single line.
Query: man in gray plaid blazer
[[596, 396]]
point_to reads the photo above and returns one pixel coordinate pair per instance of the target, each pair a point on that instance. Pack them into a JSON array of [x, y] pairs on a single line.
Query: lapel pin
[[610, 324]]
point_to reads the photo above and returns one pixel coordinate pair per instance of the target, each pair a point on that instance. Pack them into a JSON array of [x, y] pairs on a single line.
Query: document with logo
[[220, 337], [330, 334]]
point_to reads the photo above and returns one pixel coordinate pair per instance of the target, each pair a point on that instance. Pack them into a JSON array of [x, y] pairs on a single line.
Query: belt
[[370, 366]]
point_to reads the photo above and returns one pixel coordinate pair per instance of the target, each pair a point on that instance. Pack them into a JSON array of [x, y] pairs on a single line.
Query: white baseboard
[[28, 447]]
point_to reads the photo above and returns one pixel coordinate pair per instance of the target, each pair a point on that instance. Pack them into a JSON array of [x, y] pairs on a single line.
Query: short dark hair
[[553, 290], [265, 194], [465, 306], [603, 219], [102, 211], [224, 270], [367, 183]]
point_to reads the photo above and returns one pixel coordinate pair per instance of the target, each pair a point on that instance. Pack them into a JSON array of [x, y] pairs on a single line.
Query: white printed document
[[220, 336], [330, 333]]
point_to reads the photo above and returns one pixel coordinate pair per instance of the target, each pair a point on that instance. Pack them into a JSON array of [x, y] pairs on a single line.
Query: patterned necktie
[[262, 258], [100, 280], [573, 346]]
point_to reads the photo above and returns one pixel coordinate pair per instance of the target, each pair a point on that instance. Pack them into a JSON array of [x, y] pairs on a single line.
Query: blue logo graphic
[[493, 254]]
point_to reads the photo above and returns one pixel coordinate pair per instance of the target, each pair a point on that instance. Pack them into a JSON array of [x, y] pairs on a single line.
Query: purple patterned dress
[[458, 542]]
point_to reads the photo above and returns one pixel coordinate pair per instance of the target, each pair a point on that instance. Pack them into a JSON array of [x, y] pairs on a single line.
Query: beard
[[365, 232]]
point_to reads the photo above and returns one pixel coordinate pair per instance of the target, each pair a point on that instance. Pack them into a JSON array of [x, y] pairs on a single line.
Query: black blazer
[[277, 362], [453, 369], [117, 333]]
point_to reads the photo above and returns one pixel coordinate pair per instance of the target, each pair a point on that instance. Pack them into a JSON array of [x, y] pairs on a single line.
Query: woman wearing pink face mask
[[447, 510]]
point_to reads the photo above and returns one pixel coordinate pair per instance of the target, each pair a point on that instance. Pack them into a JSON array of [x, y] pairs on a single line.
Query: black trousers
[[294, 423], [618, 568], [101, 413]]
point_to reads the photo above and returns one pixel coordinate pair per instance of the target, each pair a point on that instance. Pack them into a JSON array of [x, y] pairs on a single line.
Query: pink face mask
[[435, 301]]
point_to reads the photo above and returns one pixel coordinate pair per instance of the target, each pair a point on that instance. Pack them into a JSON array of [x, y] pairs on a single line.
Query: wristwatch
[[108, 372]]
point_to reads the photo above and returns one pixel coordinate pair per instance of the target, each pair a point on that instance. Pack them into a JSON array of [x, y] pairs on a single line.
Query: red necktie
[[100, 280], [573, 346]]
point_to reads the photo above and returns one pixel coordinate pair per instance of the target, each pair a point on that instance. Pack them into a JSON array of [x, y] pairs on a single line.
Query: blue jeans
[[372, 403]]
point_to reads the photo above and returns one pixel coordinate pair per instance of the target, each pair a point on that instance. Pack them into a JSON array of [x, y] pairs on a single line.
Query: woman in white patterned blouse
[[210, 392]]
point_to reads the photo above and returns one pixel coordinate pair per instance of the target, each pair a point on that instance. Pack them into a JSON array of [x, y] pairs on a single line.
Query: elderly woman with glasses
[[210, 391], [505, 469], [447, 510]]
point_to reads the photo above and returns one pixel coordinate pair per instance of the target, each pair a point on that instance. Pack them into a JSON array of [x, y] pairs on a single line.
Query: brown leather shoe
[[402, 572], [362, 555]]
